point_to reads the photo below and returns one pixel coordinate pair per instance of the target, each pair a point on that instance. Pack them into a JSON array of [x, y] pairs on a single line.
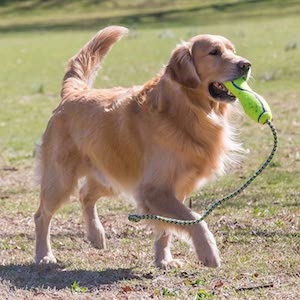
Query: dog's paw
[[46, 260], [209, 254], [97, 241], [212, 261], [46, 264], [169, 264], [206, 247]]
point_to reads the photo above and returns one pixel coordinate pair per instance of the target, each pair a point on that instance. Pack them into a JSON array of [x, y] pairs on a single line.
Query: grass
[[258, 233]]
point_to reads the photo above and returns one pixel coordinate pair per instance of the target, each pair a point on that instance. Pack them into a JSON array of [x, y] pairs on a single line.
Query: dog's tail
[[83, 67]]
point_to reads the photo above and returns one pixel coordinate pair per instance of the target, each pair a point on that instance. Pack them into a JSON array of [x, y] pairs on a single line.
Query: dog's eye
[[215, 52]]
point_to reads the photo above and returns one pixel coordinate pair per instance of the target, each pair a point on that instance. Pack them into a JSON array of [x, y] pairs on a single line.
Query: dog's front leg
[[161, 201]]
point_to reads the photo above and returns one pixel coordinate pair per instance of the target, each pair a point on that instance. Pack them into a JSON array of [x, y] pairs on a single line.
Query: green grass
[[258, 233]]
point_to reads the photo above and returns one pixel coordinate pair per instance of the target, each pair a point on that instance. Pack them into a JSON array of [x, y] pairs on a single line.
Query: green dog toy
[[255, 106]]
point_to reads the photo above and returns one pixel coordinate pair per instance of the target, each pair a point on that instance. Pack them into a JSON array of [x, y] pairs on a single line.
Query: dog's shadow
[[28, 277]]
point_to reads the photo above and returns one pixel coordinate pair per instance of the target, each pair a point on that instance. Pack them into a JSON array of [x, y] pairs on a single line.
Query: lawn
[[258, 233]]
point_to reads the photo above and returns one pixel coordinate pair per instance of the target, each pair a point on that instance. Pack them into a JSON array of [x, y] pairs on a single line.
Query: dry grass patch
[[260, 252]]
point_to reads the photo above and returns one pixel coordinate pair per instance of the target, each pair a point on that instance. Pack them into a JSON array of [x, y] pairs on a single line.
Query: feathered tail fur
[[83, 67]]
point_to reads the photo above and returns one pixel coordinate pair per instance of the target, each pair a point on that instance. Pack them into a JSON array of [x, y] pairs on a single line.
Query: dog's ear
[[182, 68]]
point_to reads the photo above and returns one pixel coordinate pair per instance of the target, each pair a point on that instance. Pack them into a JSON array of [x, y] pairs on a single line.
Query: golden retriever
[[156, 142]]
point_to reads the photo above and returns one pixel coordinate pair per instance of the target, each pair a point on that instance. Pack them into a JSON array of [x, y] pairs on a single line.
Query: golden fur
[[156, 142]]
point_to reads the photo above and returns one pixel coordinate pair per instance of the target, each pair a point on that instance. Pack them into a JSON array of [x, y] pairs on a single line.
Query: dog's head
[[205, 63]]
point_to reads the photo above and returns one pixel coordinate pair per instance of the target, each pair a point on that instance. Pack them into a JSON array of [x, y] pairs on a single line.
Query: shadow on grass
[[30, 277], [170, 17]]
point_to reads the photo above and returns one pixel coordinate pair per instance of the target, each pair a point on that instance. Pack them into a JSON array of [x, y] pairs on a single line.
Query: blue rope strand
[[137, 218]]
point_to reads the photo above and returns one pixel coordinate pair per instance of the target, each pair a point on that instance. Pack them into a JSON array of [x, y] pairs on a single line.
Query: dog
[[157, 142]]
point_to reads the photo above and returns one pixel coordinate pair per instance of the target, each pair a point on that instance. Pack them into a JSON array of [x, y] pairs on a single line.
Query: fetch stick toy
[[257, 108]]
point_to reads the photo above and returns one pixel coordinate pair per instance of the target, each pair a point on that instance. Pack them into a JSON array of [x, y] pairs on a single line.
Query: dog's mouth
[[220, 93]]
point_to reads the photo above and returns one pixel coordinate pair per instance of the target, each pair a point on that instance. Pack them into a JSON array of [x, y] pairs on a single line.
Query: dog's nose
[[244, 65]]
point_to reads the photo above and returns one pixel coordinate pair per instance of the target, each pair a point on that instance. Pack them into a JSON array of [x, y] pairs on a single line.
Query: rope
[[137, 218]]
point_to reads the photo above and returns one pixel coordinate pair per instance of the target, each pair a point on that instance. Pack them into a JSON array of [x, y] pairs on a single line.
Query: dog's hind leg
[[59, 163], [90, 192], [57, 184]]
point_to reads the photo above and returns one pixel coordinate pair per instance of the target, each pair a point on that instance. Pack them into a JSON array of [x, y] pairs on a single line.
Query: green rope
[[137, 218]]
